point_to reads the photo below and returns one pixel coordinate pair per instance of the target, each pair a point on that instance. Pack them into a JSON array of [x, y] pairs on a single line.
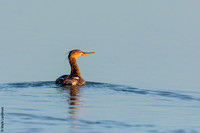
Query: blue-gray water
[[150, 44], [43, 107], [141, 43]]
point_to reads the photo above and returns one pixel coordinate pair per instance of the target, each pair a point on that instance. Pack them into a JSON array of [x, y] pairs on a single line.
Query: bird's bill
[[87, 53]]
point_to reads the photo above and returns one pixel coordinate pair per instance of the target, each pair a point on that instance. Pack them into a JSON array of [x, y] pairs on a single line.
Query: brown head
[[77, 53], [75, 71]]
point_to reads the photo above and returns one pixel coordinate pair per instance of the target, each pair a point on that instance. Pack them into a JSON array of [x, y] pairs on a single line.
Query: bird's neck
[[75, 71]]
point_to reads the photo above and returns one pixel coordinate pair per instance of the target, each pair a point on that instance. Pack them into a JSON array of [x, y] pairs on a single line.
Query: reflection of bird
[[75, 76], [73, 99]]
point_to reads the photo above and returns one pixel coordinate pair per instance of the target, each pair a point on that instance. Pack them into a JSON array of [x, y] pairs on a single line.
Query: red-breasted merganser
[[75, 76]]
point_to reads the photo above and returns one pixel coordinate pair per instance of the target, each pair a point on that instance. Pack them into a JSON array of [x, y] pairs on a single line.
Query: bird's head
[[77, 53]]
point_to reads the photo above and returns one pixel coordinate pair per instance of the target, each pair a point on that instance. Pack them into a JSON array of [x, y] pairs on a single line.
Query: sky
[[141, 43]]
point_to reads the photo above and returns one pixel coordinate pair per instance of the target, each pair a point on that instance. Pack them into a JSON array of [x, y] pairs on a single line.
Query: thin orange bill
[[87, 53]]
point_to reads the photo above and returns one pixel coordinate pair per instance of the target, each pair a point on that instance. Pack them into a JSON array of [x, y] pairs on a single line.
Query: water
[[43, 107]]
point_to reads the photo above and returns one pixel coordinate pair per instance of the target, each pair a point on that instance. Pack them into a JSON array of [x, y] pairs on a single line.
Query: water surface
[[43, 107]]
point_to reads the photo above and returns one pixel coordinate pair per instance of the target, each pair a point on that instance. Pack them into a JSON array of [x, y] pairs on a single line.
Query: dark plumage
[[75, 76]]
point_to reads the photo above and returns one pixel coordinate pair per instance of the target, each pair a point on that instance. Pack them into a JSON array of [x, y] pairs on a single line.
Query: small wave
[[175, 131], [110, 123], [103, 123], [32, 116], [29, 84], [117, 88], [127, 89], [28, 115]]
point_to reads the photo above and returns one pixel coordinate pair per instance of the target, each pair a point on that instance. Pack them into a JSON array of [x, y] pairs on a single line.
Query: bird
[[74, 79]]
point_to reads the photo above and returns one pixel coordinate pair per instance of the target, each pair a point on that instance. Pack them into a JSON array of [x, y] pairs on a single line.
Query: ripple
[[103, 123], [175, 131], [184, 131], [117, 88], [109, 124], [79, 102], [127, 89], [32, 116], [29, 84]]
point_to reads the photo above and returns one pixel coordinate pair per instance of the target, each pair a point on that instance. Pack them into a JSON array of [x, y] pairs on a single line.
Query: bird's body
[[68, 80], [75, 76]]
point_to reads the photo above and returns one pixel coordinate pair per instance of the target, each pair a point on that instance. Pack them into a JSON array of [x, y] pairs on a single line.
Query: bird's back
[[69, 80]]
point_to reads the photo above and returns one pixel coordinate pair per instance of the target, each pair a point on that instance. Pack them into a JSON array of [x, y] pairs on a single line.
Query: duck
[[74, 79]]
